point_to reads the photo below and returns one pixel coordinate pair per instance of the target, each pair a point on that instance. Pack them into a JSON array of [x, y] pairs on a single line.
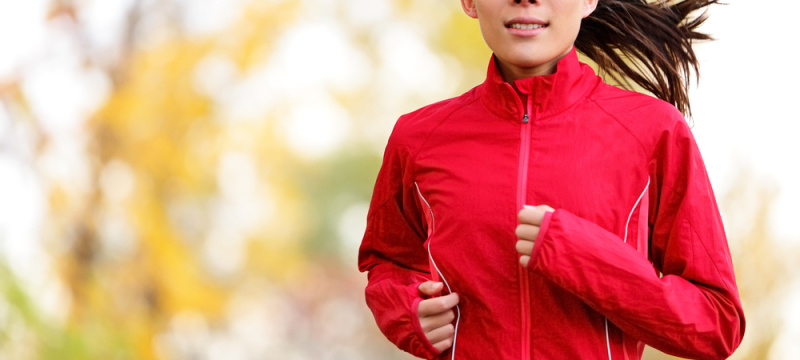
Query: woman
[[626, 246]]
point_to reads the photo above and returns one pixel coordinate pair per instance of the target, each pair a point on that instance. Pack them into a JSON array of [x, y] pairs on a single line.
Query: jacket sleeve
[[393, 254], [683, 300]]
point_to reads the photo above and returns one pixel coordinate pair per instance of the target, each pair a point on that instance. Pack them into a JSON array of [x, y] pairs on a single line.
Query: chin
[[530, 61]]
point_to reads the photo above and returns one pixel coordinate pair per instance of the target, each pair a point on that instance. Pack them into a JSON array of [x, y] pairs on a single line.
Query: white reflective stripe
[[625, 239], [430, 240], [608, 344]]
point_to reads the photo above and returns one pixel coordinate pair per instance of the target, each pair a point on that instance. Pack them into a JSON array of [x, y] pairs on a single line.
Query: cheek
[[572, 29], [569, 11], [570, 24], [492, 35], [488, 36]]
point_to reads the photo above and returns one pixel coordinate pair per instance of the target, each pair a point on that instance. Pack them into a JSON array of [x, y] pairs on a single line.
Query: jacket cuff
[[537, 244], [416, 342], [432, 351], [399, 321]]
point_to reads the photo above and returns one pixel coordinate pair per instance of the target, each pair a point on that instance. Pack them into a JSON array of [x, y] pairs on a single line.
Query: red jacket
[[634, 254]]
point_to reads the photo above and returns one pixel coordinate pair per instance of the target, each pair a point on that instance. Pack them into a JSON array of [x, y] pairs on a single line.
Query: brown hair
[[648, 42]]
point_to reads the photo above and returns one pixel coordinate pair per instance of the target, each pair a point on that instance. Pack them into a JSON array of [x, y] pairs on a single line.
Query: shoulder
[[647, 118], [412, 129], [634, 107]]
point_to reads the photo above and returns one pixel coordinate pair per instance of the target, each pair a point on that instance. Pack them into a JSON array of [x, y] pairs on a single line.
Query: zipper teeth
[[523, 275], [436, 267]]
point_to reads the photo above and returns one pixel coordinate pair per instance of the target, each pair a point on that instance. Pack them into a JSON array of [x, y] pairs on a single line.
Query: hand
[[436, 315], [530, 221]]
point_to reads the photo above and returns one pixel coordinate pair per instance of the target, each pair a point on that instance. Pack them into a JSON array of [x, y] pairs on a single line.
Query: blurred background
[[189, 179]]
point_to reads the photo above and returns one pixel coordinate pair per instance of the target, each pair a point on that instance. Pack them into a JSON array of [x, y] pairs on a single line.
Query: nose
[[530, 1]]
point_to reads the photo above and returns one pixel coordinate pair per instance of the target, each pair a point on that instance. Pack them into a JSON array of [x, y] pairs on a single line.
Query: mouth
[[526, 23], [525, 26]]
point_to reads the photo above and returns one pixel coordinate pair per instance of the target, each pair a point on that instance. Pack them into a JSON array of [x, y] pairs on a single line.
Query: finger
[[441, 333], [524, 260], [527, 232], [544, 208], [430, 288], [444, 344], [524, 247], [431, 322], [530, 215], [437, 305]]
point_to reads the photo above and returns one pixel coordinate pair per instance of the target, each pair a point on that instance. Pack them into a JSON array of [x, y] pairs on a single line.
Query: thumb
[[430, 288]]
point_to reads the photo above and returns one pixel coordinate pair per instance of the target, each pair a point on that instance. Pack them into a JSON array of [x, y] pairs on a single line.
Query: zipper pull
[[525, 119]]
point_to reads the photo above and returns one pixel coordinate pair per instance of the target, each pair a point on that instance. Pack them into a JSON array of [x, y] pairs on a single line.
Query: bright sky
[[744, 111], [744, 107]]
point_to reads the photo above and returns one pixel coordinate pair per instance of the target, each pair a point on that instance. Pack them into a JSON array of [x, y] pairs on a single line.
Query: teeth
[[526, 26]]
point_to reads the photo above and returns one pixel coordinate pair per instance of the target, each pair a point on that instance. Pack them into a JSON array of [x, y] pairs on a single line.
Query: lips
[[525, 23], [525, 26]]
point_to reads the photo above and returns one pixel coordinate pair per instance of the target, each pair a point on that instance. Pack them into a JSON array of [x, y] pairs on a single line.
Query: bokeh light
[[190, 180]]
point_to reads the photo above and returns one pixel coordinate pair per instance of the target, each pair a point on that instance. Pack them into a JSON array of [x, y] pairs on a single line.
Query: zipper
[[522, 189]]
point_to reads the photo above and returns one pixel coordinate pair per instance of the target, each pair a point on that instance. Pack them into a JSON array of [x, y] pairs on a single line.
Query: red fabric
[[636, 237]]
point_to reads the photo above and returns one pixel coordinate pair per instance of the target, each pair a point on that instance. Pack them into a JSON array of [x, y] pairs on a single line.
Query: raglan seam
[[422, 144], [382, 203], [622, 125], [414, 153], [713, 260]]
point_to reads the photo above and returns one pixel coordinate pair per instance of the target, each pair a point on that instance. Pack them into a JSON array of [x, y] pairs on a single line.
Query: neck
[[511, 73]]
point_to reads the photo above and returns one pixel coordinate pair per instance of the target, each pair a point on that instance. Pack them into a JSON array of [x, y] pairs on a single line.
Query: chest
[[479, 178]]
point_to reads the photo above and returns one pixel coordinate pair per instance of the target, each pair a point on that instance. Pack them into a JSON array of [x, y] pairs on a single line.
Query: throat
[[523, 98]]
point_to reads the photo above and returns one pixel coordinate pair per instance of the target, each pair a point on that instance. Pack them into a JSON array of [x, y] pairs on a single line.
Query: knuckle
[[424, 308], [425, 325], [452, 300], [442, 345], [442, 303], [539, 217], [524, 247], [446, 343]]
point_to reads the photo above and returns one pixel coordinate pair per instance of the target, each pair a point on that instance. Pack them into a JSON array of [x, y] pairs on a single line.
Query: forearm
[[392, 296], [698, 318]]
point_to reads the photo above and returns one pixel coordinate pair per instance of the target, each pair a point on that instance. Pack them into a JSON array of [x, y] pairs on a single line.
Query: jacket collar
[[550, 94]]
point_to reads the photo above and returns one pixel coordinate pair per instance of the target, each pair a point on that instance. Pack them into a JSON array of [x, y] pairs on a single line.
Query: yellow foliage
[[135, 261]]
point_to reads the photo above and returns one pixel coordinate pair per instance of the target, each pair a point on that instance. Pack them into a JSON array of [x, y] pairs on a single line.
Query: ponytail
[[647, 42]]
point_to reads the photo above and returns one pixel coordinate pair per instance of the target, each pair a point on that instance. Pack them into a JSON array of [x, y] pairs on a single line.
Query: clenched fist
[[530, 222], [436, 315]]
